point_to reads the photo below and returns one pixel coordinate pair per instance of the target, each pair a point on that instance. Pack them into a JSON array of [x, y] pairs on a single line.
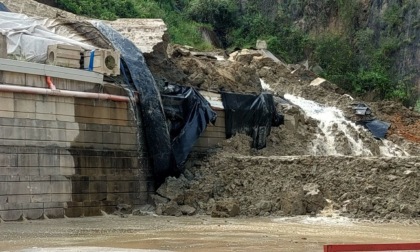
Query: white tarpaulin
[[28, 38]]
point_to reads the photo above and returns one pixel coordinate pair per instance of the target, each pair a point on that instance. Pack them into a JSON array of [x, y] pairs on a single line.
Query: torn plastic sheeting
[[249, 114], [28, 38], [189, 114], [378, 128], [4, 8], [361, 109], [152, 114]]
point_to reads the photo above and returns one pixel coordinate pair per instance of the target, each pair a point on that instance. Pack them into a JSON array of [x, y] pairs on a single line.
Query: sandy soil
[[198, 233]]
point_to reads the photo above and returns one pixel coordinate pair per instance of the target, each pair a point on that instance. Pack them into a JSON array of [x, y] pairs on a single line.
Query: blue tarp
[[4, 8], [376, 127]]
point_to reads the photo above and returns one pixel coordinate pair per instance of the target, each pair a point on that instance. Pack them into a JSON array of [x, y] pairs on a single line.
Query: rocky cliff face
[[403, 16], [385, 19]]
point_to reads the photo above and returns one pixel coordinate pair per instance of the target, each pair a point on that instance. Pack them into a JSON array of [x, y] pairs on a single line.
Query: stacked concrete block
[[213, 135], [3, 46], [64, 55], [106, 62], [65, 156]]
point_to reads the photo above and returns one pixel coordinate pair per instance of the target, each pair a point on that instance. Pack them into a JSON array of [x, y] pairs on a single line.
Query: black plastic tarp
[[189, 114], [249, 114], [136, 72], [4, 8], [376, 127]]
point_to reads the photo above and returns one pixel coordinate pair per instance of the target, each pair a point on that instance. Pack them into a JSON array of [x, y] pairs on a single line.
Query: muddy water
[[199, 233]]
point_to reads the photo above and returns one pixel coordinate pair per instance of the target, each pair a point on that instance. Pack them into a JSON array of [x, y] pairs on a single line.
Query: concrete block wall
[[213, 135], [65, 156]]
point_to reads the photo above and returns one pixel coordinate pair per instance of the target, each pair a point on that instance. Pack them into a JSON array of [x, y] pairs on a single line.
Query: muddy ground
[[200, 233], [277, 182]]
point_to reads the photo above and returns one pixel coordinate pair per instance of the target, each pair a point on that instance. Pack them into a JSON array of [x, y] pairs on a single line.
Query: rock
[[408, 209], [261, 44], [343, 197], [313, 198], [173, 188], [318, 81], [409, 173], [365, 204], [180, 51], [192, 196], [371, 189], [144, 210], [392, 177], [225, 208], [245, 56], [188, 175], [124, 208], [159, 199], [171, 209], [211, 204], [292, 201], [264, 71], [187, 210], [264, 206]]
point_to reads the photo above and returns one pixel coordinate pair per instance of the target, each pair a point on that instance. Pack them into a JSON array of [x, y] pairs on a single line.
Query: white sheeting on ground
[[28, 38]]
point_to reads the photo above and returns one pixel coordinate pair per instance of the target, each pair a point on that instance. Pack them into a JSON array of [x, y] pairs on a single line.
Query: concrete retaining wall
[[64, 156], [213, 135]]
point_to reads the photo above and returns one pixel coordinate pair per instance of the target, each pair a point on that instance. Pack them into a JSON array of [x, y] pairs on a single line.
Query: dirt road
[[198, 233]]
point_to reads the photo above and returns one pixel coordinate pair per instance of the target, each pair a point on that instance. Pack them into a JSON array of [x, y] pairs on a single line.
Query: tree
[[220, 14]]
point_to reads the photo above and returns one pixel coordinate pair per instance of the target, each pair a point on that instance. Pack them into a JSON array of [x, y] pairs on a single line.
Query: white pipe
[[67, 93]]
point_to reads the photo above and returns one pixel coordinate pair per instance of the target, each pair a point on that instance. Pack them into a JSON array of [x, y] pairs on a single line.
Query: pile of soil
[[202, 70], [285, 178], [372, 188], [242, 70]]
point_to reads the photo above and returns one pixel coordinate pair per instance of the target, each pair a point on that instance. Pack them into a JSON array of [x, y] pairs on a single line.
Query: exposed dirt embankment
[[282, 179], [242, 70], [227, 184]]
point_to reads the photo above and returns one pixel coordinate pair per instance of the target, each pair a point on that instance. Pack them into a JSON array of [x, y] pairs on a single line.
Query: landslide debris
[[284, 178], [227, 184], [243, 70]]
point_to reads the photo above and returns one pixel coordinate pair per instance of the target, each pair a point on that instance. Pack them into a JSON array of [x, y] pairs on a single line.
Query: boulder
[[173, 188], [144, 210], [314, 199], [172, 209], [187, 210], [225, 208]]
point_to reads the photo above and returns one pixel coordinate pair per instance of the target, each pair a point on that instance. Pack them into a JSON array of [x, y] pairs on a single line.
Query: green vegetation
[[356, 58], [417, 106], [102, 9]]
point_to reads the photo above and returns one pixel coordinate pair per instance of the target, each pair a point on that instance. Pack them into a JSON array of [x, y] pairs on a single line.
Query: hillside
[[367, 47]]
